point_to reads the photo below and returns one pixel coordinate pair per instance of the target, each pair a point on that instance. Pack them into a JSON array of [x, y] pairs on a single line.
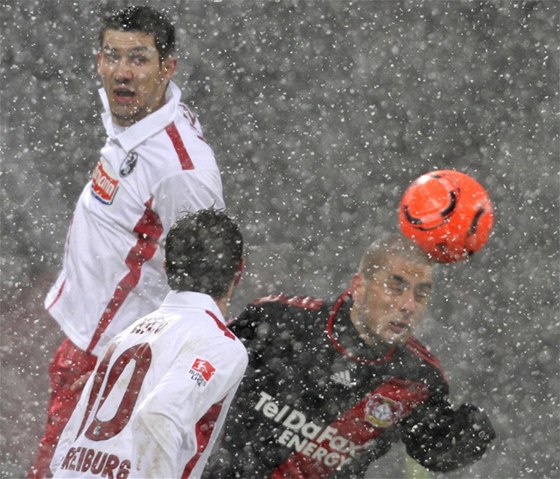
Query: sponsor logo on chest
[[104, 185], [323, 444]]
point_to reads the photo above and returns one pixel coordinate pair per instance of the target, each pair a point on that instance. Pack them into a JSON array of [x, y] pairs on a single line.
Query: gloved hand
[[473, 424], [443, 440]]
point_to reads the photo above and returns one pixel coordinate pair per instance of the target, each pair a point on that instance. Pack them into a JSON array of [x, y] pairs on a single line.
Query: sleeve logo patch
[[382, 411], [201, 371], [103, 186]]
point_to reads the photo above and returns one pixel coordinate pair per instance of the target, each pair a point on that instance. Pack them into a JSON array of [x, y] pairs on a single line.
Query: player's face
[[132, 74], [388, 307]]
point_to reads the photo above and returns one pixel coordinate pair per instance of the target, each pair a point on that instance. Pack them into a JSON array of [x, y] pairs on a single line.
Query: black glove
[[443, 440]]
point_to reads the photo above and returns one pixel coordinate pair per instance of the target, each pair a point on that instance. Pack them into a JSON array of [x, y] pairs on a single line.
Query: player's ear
[[168, 67], [239, 273], [98, 62]]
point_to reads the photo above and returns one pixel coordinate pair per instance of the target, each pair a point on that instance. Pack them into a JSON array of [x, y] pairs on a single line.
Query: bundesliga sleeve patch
[[201, 371]]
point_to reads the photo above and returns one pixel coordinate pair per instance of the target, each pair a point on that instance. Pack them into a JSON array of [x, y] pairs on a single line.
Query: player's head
[[136, 61], [142, 19], [391, 290], [204, 253]]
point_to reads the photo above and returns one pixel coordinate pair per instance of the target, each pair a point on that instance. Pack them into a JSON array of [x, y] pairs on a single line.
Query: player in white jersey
[[154, 166], [140, 414]]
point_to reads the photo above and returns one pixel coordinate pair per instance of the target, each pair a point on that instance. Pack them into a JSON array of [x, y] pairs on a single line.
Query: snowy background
[[320, 114]]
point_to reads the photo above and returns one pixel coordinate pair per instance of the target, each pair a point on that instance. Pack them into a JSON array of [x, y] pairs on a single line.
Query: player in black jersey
[[331, 386]]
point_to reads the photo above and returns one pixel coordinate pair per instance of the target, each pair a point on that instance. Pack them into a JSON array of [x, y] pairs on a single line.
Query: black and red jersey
[[316, 401]]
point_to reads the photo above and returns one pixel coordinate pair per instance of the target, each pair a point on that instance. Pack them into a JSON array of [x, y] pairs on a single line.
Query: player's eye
[[394, 286], [422, 293], [111, 55], [138, 59]]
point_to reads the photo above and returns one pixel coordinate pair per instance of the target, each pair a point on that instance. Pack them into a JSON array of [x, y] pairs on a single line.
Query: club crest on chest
[[128, 164], [382, 411]]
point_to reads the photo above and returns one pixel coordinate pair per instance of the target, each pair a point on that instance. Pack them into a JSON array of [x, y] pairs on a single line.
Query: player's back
[[147, 380]]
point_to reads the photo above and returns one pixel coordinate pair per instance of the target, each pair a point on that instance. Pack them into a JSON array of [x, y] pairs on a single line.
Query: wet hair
[[141, 19], [378, 253], [203, 252]]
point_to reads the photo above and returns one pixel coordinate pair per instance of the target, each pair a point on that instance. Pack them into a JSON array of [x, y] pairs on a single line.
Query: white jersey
[[147, 177], [157, 399]]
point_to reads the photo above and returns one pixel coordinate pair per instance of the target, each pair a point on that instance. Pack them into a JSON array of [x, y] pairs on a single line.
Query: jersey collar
[[194, 300], [137, 133], [338, 309]]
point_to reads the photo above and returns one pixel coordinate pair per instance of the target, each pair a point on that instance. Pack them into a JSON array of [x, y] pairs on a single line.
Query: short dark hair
[[203, 252], [379, 251], [142, 19]]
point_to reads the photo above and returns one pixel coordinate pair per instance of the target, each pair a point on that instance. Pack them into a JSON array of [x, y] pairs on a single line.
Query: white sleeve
[[188, 191], [165, 426]]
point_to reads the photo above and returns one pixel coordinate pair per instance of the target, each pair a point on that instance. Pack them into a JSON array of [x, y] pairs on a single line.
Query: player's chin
[[393, 338], [128, 115], [398, 342]]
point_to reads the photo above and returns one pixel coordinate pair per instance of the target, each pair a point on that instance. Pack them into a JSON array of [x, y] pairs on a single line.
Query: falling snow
[[320, 113]]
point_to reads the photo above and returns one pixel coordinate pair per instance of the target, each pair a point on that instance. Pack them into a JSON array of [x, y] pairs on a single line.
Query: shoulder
[[415, 347], [279, 312], [181, 144], [281, 306], [297, 302], [186, 114], [188, 127], [204, 333], [224, 336]]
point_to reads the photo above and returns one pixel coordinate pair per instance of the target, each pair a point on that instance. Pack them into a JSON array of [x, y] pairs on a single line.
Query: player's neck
[[223, 303]]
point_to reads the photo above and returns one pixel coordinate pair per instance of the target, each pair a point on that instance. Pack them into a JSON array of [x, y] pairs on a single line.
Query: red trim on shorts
[[148, 229], [182, 152]]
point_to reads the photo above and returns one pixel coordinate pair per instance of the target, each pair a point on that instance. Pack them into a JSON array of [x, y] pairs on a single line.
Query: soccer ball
[[448, 214]]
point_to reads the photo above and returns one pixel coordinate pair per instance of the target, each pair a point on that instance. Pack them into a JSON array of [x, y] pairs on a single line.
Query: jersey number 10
[[100, 430]]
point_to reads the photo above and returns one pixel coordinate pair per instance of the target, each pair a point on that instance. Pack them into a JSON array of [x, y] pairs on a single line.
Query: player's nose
[[123, 72], [408, 303]]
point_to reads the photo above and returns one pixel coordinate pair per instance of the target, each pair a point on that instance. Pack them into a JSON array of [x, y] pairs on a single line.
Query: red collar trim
[[339, 347]]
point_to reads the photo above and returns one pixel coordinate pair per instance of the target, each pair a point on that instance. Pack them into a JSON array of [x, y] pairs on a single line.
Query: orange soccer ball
[[448, 214]]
